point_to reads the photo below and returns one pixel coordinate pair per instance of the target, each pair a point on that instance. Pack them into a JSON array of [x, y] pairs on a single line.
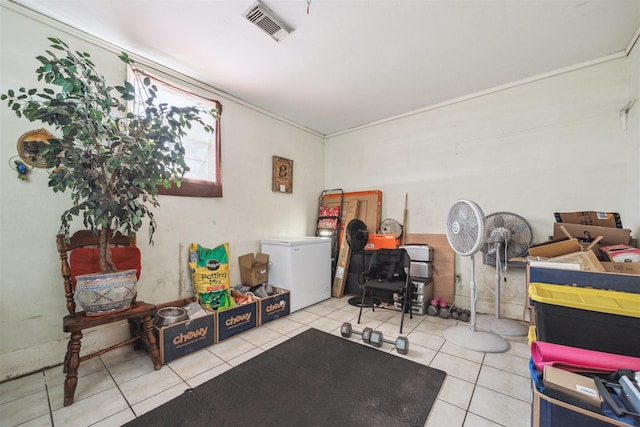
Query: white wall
[[552, 145], [31, 291]]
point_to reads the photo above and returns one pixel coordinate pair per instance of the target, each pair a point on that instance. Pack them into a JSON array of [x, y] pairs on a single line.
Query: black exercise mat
[[312, 379]]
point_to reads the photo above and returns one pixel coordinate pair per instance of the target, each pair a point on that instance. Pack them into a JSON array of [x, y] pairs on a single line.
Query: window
[[202, 149]]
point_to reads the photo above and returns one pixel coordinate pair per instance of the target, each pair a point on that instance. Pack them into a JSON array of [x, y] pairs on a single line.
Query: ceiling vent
[[266, 20]]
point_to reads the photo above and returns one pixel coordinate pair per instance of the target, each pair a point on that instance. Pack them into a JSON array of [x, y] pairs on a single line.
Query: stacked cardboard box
[[580, 241], [593, 307]]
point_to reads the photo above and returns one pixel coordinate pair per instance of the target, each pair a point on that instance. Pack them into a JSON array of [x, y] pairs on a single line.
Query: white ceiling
[[354, 62]]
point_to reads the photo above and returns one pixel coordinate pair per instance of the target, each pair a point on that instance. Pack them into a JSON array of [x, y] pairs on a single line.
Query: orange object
[[382, 241]]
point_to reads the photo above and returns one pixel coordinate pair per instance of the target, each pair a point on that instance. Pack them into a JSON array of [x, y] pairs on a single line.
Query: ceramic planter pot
[[102, 293]]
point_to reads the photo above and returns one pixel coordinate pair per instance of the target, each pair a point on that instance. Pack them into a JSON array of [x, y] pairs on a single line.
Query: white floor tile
[[245, 356], [305, 317], [320, 309], [450, 348], [505, 382], [480, 390], [507, 362], [130, 369], [117, 419], [473, 420], [283, 325], [87, 386], [426, 339], [260, 336], [343, 316], [209, 374], [91, 410], [25, 408], [194, 364], [444, 414], [54, 376], [500, 408], [431, 327], [274, 342], [42, 421], [419, 354], [154, 401], [21, 387], [325, 324], [456, 392], [145, 386], [231, 348], [456, 366]]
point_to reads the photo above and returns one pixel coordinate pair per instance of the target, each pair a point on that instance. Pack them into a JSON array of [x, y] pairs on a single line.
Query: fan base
[[466, 337], [509, 328], [357, 302], [502, 326]]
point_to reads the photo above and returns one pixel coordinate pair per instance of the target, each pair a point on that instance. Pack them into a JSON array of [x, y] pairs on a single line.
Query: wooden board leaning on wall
[[443, 262]]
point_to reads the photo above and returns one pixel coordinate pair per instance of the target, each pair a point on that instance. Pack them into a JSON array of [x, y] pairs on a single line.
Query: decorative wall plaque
[[31, 144], [282, 181]]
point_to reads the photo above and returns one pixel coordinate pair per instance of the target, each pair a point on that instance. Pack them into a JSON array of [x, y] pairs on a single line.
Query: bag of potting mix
[[210, 276]]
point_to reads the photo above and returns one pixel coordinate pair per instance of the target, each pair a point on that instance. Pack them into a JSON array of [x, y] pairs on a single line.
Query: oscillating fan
[[508, 235], [465, 233], [391, 226], [357, 235]]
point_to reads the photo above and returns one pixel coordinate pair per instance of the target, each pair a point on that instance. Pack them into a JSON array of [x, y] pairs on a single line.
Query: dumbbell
[[401, 343], [346, 332], [434, 308]]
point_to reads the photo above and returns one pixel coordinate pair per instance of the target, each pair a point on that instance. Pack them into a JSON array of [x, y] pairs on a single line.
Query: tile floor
[[481, 389]]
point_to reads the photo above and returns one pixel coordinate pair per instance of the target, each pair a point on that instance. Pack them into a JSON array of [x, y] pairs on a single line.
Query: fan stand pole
[[504, 327], [469, 337]]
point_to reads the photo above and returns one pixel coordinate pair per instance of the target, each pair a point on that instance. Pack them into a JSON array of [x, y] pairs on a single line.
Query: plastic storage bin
[[593, 319]]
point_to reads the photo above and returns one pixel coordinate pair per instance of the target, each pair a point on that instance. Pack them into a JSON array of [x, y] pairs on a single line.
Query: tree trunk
[[106, 264]]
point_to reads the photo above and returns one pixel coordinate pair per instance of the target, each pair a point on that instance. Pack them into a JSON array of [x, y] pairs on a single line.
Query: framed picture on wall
[[282, 180], [30, 146]]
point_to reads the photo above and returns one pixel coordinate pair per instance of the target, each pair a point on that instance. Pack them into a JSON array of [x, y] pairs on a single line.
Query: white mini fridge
[[303, 266]]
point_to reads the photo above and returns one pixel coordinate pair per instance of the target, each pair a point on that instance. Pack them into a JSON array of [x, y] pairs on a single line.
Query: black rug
[[312, 379]]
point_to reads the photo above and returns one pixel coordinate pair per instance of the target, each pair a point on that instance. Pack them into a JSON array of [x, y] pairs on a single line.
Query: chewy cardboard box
[[600, 219], [555, 248], [610, 235], [235, 320], [275, 306], [622, 267], [185, 337], [253, 269]]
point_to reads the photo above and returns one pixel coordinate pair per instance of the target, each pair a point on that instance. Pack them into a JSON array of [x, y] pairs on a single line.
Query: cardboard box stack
[[583, 298], [581, 241]]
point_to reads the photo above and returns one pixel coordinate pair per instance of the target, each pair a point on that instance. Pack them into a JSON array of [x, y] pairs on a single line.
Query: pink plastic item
[[578, 359]]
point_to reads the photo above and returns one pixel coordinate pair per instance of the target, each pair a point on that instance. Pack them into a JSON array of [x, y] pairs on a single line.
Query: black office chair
[[389, 273]]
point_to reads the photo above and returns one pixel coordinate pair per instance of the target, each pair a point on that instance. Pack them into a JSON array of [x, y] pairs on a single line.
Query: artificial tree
[[111, 157]]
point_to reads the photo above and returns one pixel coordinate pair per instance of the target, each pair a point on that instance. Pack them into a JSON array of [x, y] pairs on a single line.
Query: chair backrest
[[79, 255], [389, 265]]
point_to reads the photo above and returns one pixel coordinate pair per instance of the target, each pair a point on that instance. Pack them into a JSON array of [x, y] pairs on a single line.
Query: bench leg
[[71, 364], [150, 340]]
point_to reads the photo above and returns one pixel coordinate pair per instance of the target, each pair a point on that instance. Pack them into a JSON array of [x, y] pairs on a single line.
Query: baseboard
[[33, 359]]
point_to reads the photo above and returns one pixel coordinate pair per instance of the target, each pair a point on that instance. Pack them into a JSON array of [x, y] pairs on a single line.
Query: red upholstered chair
[[79, 255]]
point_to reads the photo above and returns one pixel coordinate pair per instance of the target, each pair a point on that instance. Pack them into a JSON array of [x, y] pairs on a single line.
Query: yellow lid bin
[[600, 300], [594, 319]]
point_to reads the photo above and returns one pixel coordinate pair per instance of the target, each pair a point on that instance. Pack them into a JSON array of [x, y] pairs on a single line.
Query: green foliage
[[111, 159]]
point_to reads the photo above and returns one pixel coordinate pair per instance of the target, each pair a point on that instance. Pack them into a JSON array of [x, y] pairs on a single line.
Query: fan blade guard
[[465, 227]]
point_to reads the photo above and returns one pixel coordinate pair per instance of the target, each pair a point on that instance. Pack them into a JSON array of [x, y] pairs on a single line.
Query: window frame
[[190, 187]]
